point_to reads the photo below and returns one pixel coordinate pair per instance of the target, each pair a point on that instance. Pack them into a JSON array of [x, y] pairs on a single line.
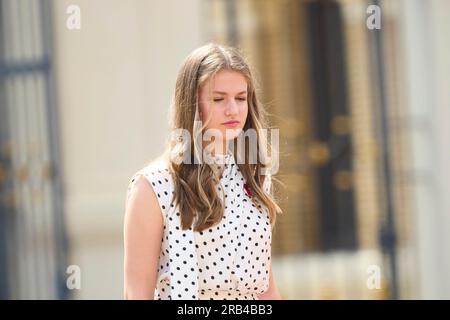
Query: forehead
[[227, 81]]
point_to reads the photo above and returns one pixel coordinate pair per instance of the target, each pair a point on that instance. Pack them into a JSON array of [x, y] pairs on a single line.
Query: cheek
[[216, 118], [210, 117], [204, 109], [244, 111]]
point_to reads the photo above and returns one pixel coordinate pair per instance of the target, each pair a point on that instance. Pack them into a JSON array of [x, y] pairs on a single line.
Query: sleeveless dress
[[230, 260]]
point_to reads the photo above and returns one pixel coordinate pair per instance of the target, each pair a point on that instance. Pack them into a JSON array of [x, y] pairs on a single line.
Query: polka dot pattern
[[229, 260]]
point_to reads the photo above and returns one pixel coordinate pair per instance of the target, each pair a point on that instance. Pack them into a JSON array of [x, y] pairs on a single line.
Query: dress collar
[[222, 163]]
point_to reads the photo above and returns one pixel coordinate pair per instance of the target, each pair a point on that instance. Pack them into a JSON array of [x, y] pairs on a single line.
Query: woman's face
[[223, 99]]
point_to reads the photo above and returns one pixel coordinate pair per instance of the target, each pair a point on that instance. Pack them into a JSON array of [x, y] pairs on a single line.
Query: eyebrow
[[221, 92]]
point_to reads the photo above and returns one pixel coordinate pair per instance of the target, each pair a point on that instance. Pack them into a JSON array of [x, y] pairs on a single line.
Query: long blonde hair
[[194, 183]]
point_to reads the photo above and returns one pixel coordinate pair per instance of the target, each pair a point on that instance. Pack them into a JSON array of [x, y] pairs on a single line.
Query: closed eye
[[220, 99]]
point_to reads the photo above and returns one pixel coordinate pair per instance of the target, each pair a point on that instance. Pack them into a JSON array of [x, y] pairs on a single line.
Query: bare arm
[[143, 230], [271, 293]]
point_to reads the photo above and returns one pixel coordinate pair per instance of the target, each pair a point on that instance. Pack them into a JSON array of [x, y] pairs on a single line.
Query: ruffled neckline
[[222, 163], [223, 158]]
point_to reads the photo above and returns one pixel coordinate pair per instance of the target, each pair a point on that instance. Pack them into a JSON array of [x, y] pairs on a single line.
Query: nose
[[232, 108]]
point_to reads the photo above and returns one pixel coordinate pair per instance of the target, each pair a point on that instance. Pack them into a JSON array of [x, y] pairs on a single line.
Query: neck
[[217, 149]]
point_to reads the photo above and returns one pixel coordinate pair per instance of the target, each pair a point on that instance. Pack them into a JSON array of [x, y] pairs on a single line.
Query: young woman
[[202, 229]]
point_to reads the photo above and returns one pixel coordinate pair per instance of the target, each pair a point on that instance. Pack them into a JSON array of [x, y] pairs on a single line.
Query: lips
[[231, 122]]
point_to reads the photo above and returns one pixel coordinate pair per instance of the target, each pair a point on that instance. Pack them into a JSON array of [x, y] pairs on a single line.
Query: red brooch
[[248, 190]]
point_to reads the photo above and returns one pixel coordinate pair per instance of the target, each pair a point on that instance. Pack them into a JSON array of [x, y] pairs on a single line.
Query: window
[[32, 250]]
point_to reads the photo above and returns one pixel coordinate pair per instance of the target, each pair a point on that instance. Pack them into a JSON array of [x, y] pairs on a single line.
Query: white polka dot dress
[[229, 260]]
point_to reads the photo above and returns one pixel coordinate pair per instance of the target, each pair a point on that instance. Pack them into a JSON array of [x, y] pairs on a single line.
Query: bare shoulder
[[140, 189], [148, 190], [141, 199]]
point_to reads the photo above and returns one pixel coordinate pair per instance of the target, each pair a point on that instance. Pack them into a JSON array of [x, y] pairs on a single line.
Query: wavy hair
[[194, 182]]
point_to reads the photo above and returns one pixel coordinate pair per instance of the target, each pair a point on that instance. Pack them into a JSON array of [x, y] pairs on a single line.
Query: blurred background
[[364, 118]]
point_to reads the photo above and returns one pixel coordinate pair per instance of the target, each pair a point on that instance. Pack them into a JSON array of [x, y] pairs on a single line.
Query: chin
[[231, 134]]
